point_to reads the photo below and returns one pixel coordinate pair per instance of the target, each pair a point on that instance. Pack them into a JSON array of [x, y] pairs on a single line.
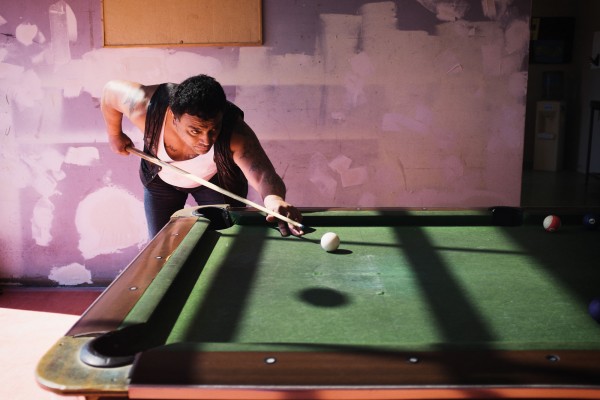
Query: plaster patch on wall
[[46, 171], [63, 30], [322, 177], [71, 23], [290, 68], [349, 176], [173, 62], [25, 33], [41, 39], [517, 37], [340, 164], [338, 116], [82, 155], [361, 65], [395, 122], [108, 220], [72, 90], [29, 92], [379, 18], [354, 177], [517, 84], [339, 39], [254, 62], [41, 221], [361, 70], [446, 10], [13, 172], [451, 11], [489, 8], [492, 59], [148, 65], [496, 9], [72, 274], [10, 71]]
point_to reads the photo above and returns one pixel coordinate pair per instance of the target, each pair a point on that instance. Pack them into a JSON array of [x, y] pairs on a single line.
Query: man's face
[[197, 133]]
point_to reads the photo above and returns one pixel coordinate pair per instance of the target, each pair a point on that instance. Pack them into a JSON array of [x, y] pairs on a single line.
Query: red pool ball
[[551, 223]]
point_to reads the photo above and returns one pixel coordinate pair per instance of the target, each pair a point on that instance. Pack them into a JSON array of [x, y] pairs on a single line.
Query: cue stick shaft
[[212, 186]]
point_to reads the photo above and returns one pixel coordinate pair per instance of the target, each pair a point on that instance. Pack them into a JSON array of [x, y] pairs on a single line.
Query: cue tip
[[307, 229]]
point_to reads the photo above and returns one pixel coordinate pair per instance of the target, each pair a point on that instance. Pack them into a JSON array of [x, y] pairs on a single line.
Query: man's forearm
[[272, 185]]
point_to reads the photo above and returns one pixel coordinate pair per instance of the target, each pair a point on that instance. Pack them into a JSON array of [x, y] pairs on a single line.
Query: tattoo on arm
[[252, 151], [261, 164], [276, 183], [131, 100]]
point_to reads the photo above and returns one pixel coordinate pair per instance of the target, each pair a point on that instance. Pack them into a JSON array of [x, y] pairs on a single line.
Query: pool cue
[[212, 186]]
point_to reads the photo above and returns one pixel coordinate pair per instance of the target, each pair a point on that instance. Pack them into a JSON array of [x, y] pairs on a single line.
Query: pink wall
[[407, 103]]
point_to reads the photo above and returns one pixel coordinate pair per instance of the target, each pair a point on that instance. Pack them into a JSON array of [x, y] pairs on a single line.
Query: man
[[194, 127]]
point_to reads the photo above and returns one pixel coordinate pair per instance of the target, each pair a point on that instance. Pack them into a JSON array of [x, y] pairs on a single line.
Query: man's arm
[[249, 155], [124, 98]]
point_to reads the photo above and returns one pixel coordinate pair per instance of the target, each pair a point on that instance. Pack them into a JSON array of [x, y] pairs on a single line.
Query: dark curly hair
[[200, 95]]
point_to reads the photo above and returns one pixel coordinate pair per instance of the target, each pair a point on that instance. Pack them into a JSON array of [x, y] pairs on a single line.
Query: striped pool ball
[[551, 223], [590, 221]]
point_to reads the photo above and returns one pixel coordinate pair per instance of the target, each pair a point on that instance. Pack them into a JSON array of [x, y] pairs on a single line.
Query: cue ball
[[551, 223], [330, 241], [590, 221], [594, 309]]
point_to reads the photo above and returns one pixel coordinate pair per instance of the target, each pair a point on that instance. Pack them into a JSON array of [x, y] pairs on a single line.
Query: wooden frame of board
[[182, 23]]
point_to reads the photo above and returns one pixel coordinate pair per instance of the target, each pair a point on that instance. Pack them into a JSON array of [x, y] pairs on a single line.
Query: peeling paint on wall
[[46, 170], [70, 275], [63, 30], [349, 176], [82, 155], [25, 33], [41, 221], [322, 178], [446, 10], [109, 220]]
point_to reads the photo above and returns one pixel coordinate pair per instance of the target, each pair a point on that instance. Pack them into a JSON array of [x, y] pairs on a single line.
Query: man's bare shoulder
[[131, 98], [242, 135], [134, 91]]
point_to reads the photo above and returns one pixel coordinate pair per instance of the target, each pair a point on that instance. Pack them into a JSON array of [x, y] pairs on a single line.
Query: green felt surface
[[403, 286]]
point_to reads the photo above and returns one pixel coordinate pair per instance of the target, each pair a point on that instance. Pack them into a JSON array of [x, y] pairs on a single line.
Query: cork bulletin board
[[182, 22]]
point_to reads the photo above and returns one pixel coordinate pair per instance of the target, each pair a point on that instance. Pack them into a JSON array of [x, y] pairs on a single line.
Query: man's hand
[[124, 99], [279, 205], [119, 143]]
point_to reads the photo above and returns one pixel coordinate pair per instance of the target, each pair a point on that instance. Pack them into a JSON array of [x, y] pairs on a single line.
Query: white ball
[[330, 241]]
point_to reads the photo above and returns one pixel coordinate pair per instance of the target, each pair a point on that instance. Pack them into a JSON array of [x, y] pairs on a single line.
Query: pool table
[[414, 304]]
